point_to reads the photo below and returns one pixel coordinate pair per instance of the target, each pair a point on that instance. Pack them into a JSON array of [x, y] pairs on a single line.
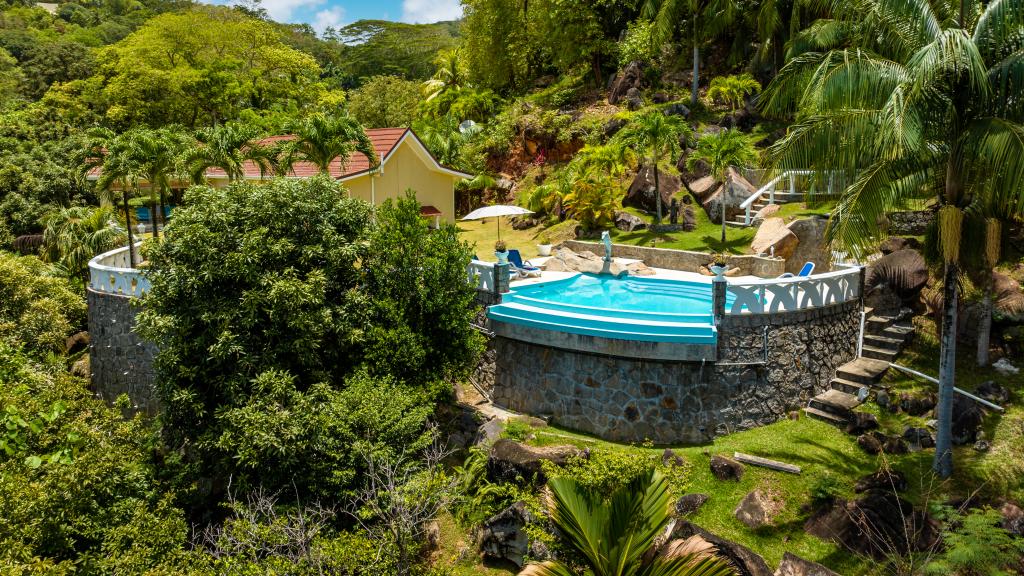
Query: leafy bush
[[604, 471], [38, 310], [976, 545], [385, 101], [638, 43], [825, 488]]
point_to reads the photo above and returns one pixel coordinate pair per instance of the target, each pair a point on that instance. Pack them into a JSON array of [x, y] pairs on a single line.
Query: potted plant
[[500, 252], [544, 245]]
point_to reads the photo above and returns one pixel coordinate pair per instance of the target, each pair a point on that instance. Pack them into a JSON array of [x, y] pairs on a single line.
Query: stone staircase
[[884, 339], [761, 202]]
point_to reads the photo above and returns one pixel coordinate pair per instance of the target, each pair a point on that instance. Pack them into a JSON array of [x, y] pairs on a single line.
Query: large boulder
[[900, 275], [744, 560], [641, 193], [1007, 297], [918, 438], [811, 247], [877, 525], [917, 404], [503, 536], [774, 237], [733, 191], [700, 168], [967, 418], [628, 222], [885, 479], [633, 99], [793, 565], [565, 260], [510, 460], [758, 508], [1013, 518], [631, 76], [897, 243], [703, 187]]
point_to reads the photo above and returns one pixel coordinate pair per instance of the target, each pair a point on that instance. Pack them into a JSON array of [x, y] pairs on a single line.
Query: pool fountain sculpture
[[606, 239]]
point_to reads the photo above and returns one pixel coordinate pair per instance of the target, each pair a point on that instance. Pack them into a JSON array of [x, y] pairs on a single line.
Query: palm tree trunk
[[696, 73], [943, 463], [985, 326], [162, 199], [152, 214], [657, 193], [128, 227]]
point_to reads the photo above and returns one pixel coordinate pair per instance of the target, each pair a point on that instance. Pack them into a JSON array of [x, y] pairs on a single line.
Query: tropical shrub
[[38, 309], [975, 544], [733, 89]]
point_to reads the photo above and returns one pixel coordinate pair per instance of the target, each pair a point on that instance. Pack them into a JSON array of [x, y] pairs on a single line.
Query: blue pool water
[[628, 308]]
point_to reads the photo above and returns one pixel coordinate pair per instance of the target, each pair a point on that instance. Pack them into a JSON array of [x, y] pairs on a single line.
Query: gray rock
[[628, 222], [811, 246], [918, 438], [630, 78], [897, 243], [1013, 518], [1004, 367], [612, 126], [917, 405], [870, 443], [690, 503], [860, 422], [758, 508], [793, 565], [726, 468], [967, 419], [993, 392], [891, 480], [490, 431], [744, 560], [641, 192], [982, 446], [502, 537], [633, 99], [676, 109], [510, 460]]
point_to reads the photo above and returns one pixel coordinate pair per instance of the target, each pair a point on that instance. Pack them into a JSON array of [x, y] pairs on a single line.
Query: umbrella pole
[[499, 228]]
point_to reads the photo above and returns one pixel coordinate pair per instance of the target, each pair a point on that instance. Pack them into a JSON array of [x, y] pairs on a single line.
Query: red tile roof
[[429, 210]]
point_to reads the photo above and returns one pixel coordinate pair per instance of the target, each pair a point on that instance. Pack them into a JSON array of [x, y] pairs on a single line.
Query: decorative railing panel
[[483, 275], [111, 272], [794, 293]]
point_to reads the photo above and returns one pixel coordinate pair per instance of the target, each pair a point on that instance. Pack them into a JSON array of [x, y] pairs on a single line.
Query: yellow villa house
[[405, 163]]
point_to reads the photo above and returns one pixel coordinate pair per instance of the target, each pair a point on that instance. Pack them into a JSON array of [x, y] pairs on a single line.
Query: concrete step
[[866, 371], [835, 401], [877, 324], [900, 331], [883, 342], [847, 386], [735, 223], [879, 353], [825, 416]]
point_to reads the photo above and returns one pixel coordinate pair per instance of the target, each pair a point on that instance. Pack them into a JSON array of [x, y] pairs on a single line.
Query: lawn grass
[[483, 233]]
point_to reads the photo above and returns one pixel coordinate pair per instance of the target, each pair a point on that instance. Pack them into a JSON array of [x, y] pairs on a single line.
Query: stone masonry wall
[[120, 361], [630, 400]]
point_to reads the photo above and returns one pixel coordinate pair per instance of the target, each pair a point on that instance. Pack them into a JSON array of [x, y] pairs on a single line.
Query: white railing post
[[792, 184]]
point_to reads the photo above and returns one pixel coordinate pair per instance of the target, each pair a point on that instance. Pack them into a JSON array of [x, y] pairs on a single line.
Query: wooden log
[[766, 463]]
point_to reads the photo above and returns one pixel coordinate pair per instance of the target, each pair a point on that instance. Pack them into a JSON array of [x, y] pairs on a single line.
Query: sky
[[323, 13]]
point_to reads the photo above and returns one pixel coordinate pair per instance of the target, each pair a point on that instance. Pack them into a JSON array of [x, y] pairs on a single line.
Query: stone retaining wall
[[683, 260], [120, 361], [668, 402]]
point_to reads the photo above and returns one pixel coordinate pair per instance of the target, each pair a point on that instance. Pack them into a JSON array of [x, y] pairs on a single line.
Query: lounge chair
[[142, 214], [807, 270], [525, 269]]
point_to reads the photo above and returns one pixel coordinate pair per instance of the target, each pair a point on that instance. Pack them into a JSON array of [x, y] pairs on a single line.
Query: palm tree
[[593, 199], [158, 155], [613, 536], [707, 18], [450, 74], [720, 151], [657, 137], [112, 154], [320, 139], [733, 89], [228, 147], [920, 99], [73, 236]]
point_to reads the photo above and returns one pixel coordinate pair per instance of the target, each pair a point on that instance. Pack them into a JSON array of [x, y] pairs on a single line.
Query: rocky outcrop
[[733, 191], [565, 260], [774, 237], [811, 247], [744, 560], [631, 77], [895, 279], [503, 536], [967, 419], [793, 565], [509, 460], [876, 525], [758, 508], [641, 193]]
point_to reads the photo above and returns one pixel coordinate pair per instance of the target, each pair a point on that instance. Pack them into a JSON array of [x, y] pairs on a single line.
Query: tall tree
[[321, 139], [450, 74], [73, 236], [704, 19], [157, 154], [657, 138], [920, 99], [227, 147], [615, 536], [112, 154], [720, 151]]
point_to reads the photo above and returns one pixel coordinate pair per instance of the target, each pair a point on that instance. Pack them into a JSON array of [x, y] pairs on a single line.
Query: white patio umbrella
[[496, 211]]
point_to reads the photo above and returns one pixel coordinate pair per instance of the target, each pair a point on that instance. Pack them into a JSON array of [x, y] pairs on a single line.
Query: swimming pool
[[626, 308]]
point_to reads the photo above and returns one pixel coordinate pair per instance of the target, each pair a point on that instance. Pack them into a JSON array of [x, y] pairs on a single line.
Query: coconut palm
[[921, 99], [733, 89], [656, 136], [613, 536], [320, 139], [706, 18], [720, 151], [450, 74], [73, 236], [227, 147], [119, 173], [158, 155]]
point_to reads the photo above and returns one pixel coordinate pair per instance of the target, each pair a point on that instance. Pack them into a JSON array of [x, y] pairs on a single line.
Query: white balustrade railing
[[483, 275], [111, 273], [771, 188], [793, 293]]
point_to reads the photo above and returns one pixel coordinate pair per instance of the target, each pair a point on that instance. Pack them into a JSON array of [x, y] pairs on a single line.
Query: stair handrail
[[913, 372], [770, 188]]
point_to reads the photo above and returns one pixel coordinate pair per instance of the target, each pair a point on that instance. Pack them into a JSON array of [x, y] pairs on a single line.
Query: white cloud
[[333, 17], [426, 11], [284, 10]]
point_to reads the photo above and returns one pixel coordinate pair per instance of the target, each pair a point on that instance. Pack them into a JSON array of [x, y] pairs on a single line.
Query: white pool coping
[[658, 273]]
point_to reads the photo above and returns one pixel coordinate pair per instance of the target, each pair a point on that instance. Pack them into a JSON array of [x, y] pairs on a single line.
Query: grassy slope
[[823, 450]]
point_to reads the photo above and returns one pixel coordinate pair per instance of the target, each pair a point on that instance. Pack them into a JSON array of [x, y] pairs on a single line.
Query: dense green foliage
[[38, 309], [283, 321]]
